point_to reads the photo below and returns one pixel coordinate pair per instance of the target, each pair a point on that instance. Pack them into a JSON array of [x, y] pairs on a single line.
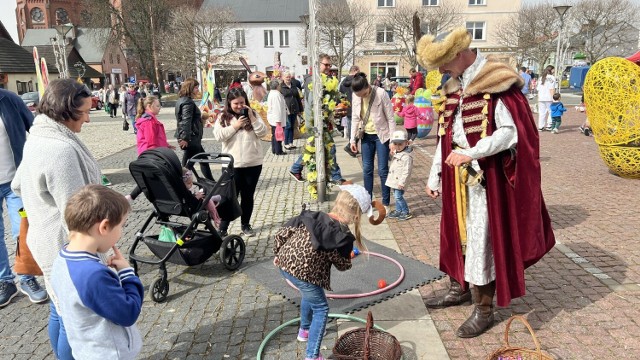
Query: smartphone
[[245, 112]]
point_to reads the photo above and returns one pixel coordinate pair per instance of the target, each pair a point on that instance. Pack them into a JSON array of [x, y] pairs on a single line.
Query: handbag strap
[[366, 115]]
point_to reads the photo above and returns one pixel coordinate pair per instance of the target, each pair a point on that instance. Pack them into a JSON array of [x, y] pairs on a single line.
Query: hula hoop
[[375, 292], [297, 320]]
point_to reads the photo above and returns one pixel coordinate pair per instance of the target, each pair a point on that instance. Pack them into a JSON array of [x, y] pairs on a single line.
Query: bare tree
[[531, 33], [137, 25], [433, 20], [198, 37], [605, 27], [343, 28]]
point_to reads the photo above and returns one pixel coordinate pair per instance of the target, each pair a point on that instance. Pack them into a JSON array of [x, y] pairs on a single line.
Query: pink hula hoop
[[379, 291]]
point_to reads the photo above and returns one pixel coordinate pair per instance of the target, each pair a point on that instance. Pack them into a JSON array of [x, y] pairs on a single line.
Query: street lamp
[[561, 10], [61, 43]]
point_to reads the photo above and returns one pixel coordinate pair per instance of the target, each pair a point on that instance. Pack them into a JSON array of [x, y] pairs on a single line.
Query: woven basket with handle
[[507, 351], [367, 344]]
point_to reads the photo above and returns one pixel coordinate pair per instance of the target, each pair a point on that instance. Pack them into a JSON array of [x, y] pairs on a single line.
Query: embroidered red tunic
[[519, 224]]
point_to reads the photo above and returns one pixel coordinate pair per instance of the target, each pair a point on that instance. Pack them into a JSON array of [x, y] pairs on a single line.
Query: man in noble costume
[[495, 227]]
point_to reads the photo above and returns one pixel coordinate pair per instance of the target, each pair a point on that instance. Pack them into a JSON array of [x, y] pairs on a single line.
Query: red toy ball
[[382, 284], [353, 254]]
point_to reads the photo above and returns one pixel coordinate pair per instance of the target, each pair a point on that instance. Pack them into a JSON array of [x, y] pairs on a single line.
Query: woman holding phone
[[239, 129]]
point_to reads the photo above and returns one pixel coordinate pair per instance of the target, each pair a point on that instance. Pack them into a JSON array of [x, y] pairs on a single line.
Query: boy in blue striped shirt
[[99, 304]]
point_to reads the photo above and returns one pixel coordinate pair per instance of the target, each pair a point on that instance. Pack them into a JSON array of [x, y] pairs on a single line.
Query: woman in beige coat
[[377, 129], [240, 136]]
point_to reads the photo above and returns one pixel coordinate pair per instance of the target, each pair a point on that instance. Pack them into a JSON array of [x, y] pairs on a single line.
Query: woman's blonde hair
[[347, 208], [143, 103], [410, 98]]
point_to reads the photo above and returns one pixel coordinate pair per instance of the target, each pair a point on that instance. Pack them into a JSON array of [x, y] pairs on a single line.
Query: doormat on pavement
[[362, 278]]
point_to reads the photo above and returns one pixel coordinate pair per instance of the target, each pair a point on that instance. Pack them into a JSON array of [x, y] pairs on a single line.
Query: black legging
[[189, 152], [412, 133], [246, 180], [114, 108]]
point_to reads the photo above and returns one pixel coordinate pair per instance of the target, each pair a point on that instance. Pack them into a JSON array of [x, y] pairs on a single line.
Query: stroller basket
[[193, 252]]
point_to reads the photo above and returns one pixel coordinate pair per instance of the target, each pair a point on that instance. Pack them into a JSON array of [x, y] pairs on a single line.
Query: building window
[[386, 3], [118, 58], [22, 87], [431, 2], [217, 42], [383, 68], [477, 2], [476, 28], [110, 58], [37, 15], [284, 38], [240, 38], [384, 34], [268, 38], [335, 39]]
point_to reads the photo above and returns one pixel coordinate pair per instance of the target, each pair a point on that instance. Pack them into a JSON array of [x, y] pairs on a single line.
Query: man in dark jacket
[[130, 105], [345, 88], [15, 121]]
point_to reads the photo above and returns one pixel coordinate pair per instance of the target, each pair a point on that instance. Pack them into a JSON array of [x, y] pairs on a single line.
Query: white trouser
[[544, 114]]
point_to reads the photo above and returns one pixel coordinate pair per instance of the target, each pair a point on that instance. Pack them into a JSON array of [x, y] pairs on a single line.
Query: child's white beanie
[[361, 195]]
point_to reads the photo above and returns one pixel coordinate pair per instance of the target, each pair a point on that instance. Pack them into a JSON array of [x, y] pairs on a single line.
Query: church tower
[[45, 14]]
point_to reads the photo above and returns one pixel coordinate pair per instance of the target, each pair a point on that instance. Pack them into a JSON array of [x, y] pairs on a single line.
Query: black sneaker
[[248, 231], [393, 214], [296, 176], [8, 291]]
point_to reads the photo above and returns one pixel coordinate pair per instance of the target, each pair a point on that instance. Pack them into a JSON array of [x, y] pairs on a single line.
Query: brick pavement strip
[[595, 215]]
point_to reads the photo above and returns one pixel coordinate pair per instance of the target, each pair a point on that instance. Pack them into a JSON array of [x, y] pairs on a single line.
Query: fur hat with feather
[[433, 52]]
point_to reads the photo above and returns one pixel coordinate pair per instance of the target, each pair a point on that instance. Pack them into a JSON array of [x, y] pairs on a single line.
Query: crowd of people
[[74, 221]]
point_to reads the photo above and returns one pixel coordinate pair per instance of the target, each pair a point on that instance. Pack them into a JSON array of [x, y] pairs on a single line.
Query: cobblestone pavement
[[582, 298], [210, 312]]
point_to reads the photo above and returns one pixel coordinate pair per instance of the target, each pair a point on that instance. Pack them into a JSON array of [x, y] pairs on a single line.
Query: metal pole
[[558, 70], [318, 125]]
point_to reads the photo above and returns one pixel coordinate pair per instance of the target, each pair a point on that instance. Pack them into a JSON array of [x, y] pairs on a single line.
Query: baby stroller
[[158, 173]]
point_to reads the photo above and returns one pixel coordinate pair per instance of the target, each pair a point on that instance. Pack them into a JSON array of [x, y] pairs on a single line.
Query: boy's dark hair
[[556, 96], [92, 204]]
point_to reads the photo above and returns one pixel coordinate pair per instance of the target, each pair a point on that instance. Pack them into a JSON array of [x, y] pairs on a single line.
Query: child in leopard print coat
[[307, 246]]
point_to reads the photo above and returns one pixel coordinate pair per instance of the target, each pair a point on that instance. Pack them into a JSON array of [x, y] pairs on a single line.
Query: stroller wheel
[[232, 252], [159, 290]]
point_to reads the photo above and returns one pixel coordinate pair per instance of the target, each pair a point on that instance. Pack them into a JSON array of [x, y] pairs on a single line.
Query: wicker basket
[[513, 352], [367, 344]]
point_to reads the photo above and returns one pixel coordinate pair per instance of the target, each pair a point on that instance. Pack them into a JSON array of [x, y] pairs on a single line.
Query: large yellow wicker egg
[[612, 95]]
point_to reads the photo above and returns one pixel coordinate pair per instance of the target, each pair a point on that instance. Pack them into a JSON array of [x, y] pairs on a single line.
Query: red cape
[[519, 223]]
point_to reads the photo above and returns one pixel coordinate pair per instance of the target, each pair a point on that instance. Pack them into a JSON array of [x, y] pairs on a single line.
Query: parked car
[[31, 99], [402, 80], [96, 102]]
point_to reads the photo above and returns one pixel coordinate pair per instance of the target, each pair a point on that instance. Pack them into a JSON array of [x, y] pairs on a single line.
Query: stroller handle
[[212, 158]]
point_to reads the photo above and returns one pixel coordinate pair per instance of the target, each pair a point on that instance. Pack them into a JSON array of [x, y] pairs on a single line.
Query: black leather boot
[[455, 296], [482, 317]]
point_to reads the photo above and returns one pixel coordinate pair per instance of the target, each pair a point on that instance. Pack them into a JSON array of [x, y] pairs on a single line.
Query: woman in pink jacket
[[410, 114], [151, 133]]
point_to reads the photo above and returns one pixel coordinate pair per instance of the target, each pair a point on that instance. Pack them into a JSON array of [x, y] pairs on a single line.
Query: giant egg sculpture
[[612, 96]]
